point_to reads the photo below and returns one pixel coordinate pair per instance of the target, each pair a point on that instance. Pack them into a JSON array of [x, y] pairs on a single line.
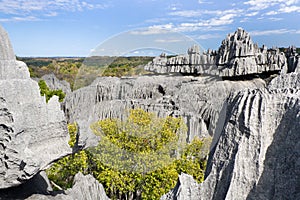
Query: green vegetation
[[84, 71], [45, 91], [63, 68], [62, 172], [284, 50], [142, 138]]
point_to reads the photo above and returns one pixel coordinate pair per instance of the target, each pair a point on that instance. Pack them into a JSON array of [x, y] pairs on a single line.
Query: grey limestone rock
[[55, 84], [256, 154], [285, 81], [33, 134], [293, 59], [237, 56], [197, 99], [39, 184], [85, 187], [186, 188]]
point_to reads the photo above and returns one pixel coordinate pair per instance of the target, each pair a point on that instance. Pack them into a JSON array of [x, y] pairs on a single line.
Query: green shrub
[[45, 91], [142, 134]]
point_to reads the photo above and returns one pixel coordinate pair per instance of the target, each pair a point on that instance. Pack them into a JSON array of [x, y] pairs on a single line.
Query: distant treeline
[[67, 68], [283, 49]]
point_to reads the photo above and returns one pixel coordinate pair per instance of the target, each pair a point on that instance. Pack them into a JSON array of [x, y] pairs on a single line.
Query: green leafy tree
[[137, 158], [45, 91]]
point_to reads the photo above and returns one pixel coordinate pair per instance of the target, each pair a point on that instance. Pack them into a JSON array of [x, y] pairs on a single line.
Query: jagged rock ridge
[[28, 126], [55, 84], [33, 134], [237, 56], [256, 154], [197, 99]]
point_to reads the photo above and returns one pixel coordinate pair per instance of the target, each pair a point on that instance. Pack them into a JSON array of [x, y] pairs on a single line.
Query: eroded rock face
[[85, 187], [39, 184], [256, 154], [186, 188], [293, 59], [55, 84], [33, 134], [197, 99], [237, 56], [286, 81]]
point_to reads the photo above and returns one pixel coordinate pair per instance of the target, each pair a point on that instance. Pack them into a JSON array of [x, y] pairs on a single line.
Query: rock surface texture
[[85, 187], [198, 100], [256, 154], [32, 133], [237, 56], [55, 84]]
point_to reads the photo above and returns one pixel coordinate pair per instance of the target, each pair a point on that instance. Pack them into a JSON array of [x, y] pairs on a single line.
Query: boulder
[[85, 187], [39, 184]]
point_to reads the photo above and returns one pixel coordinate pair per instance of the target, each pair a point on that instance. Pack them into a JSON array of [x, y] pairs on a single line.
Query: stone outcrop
[[186, 188], [39, 184], [85, 187], [55, 84], [33, 134], [256, 154], [198, 100], [237, 56], [285, 81], [293, 59]]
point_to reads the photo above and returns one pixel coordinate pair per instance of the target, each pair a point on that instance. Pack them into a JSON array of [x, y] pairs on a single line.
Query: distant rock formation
[[293, 59], [198, 100], [256, 154], [237, 56], [33, 134], [55, 84]]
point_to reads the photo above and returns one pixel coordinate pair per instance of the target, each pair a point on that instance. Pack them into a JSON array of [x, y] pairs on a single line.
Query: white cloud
[[154, 30], [187, 13], [251, 14], [264, 4], [20, 19], [272, 13], [51, 14], [275, 19], [203, 2], [167, 40], [208, 36], [197, 13], [271, 32], [207, 24], [289, 9], [174, 6], [23, 7]]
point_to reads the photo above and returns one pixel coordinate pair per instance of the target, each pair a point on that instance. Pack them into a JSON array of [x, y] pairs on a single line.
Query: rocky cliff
[[237, 56], [33, 134], [198, 100], [255, 126], [28, 125], [256, 154]]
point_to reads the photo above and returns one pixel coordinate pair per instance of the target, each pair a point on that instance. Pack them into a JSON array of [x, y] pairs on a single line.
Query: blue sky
[[75, 28]]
